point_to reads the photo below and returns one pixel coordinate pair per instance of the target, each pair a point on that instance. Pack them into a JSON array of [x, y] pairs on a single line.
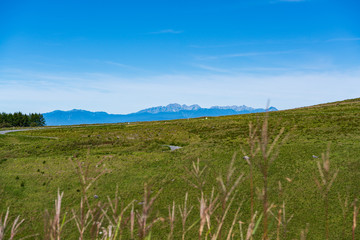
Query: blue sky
[[123, 56]]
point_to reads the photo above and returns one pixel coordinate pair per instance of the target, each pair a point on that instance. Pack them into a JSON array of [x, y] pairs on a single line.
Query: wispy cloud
[[122, 65], [246, 54], [264, 69], [171, 31], [214, 46], [344, 39], [210, 68]]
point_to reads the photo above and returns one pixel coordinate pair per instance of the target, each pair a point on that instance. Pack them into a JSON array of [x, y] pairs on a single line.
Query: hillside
[[34, 164]]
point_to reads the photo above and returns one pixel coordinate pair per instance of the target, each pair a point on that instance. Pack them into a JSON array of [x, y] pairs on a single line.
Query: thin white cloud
[[264, 69], [247, 54], [210, 68], [243, 69], [218, 46], [121, 65], [172, 31]]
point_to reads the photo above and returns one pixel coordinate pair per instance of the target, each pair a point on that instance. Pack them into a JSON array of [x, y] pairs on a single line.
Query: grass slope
[[32, 167]]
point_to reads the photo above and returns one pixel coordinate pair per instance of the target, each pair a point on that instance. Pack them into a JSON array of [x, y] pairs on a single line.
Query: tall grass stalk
[[304, 232], [355, 214], [143, 216], [196, 174], [14, 227], [82, 219], [254, 149], [227, 188], [207, 208], [115, 213], [132, 221], [184, 213], [252, 227], [88, 174], [171, 220], [260, 142], [282, 221], [344, 204], [222, 220], [54, 225], [327, 178], [233, 223]]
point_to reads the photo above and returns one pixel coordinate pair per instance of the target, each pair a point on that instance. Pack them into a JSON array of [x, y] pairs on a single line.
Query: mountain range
[[169, 112]]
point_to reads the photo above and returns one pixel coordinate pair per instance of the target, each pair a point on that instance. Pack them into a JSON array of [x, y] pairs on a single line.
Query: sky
[[124, 56]]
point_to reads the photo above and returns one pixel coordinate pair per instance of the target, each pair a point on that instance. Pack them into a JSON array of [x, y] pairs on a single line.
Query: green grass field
[[34, 164]]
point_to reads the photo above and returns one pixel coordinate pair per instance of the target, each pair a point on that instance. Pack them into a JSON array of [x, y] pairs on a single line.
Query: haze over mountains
[[169, 112]]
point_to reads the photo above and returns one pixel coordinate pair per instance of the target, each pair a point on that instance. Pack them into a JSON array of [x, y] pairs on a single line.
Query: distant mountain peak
[[78, 110], [173, 107], [234, 107], [272, 109], [240, 108]]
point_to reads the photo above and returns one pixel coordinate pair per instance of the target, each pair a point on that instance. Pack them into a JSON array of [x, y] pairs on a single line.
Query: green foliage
[[19, 119]]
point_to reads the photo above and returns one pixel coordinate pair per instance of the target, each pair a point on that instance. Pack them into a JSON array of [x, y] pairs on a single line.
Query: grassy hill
[[35, 164]]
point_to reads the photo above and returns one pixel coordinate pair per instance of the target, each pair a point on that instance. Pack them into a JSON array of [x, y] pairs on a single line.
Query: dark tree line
[[19, 119]]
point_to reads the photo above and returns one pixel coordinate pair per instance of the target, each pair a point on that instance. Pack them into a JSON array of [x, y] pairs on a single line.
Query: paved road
[[26, 129], [17, 130]]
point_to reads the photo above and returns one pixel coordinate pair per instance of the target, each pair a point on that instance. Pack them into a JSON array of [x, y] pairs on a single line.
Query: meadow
[[290, 174]]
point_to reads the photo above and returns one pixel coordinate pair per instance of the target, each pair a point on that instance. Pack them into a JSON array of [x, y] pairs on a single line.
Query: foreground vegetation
[[292, 175]]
